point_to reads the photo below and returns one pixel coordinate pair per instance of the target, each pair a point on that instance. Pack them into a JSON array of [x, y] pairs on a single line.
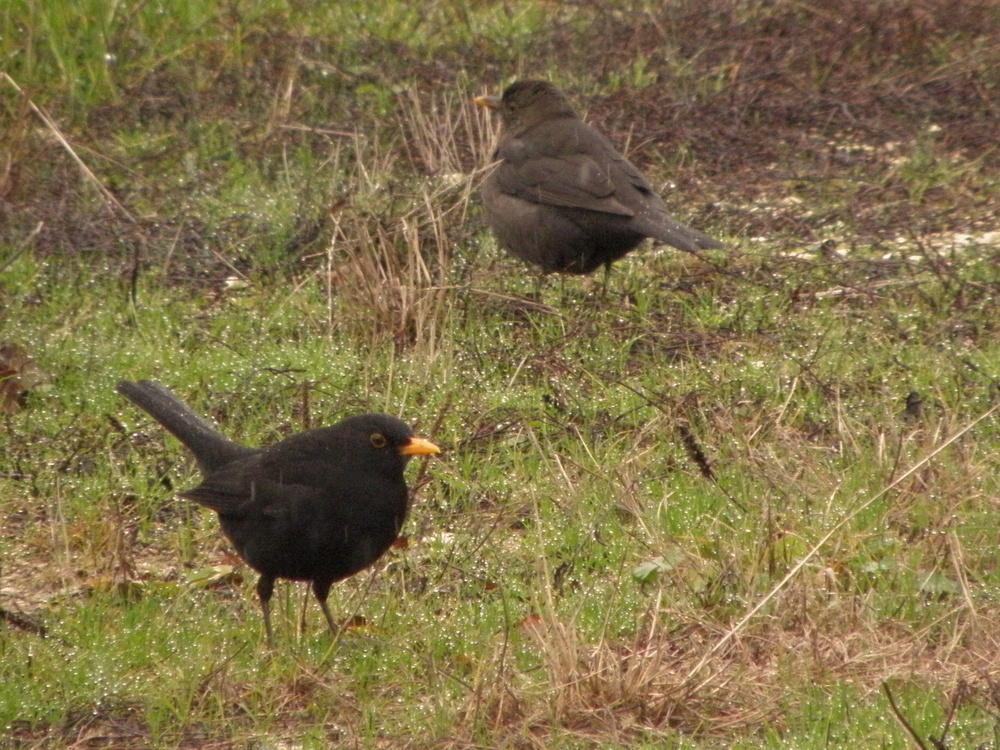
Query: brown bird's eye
[[378, 440]]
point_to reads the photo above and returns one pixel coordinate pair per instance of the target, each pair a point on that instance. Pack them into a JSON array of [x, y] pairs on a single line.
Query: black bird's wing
[[322, 466], [256, 483], [302, 517]]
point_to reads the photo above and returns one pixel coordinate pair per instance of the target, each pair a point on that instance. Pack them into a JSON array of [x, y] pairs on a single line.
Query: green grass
[[685, 510]]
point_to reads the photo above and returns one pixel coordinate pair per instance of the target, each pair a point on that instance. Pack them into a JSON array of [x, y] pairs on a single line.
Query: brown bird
[[562, 197], [318, 506]]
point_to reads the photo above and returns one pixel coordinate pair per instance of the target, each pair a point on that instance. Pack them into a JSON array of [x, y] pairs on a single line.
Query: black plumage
[[318, 506]]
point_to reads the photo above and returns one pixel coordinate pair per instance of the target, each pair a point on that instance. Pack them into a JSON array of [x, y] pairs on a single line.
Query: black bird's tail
[[210, 447]]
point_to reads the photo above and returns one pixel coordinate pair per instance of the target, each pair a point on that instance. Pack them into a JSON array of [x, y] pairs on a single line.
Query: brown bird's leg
[[265, 588], [540, 280], [607, 280], [321, 588]]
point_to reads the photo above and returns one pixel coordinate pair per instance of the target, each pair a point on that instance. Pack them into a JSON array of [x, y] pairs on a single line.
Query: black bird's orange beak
[[418, 446], [489, 102]]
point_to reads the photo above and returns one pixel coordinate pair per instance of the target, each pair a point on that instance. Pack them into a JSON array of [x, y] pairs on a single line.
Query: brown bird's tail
[[681, 236], [210, 447]]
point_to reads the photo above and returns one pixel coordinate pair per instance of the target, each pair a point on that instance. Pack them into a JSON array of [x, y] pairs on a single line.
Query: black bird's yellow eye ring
[[378, 440]]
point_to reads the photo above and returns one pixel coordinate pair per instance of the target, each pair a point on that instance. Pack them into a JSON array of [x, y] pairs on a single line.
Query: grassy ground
[[748, 500]]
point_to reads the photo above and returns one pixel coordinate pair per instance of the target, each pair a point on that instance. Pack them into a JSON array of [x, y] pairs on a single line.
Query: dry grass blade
[[105, 194], [393, 258], [795, 570], [331, 159], [447, 137], [24, 246]]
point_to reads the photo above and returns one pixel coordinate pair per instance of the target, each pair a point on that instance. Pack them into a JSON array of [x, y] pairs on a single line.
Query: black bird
[[318, 506], [562, 197]]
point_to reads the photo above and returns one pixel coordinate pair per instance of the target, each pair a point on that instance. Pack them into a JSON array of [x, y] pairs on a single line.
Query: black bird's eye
[[378, 440]]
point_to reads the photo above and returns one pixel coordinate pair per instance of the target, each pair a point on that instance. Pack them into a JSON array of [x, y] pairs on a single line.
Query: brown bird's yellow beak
[[418, 446], [489, 102]]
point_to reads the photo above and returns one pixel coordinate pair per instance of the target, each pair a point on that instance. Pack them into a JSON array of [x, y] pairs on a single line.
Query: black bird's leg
[[265, 588], [321, 588]]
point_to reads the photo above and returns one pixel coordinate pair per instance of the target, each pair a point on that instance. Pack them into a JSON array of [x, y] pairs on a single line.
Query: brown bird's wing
[[563, 163], [651, 217]]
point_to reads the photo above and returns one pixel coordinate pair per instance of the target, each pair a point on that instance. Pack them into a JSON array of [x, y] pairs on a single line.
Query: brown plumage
[[562, 197]]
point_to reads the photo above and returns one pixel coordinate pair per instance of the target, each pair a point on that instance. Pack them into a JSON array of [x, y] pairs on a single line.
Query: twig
[[22, 622], [914, 737]]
